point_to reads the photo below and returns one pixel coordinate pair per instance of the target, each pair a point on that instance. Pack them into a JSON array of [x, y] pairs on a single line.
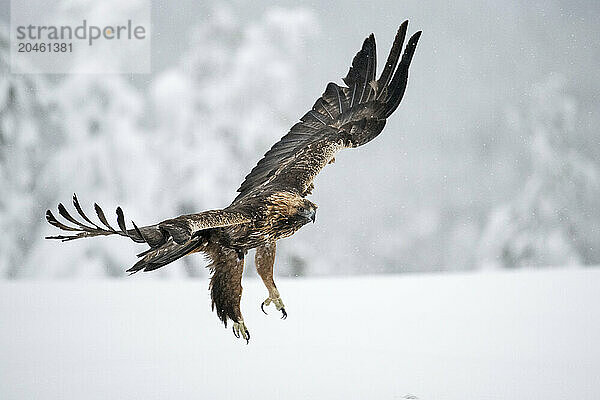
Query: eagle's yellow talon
[[278, 305], [240, 329], [265, 303]]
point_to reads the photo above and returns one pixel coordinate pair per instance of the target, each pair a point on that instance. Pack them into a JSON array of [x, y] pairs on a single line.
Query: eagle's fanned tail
[[155, 258]]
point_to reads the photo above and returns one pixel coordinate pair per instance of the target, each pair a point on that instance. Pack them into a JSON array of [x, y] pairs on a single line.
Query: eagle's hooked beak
[[309, 213]]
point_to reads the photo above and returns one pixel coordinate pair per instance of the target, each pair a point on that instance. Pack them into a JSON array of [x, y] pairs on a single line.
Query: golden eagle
[[271, 203]]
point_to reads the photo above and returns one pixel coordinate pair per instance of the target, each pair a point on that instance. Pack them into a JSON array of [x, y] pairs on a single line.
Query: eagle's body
[[271, 203]]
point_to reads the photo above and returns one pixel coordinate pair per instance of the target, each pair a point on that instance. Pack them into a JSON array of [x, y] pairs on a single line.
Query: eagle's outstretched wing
[[343, 117], [168, 240], [180, 229]]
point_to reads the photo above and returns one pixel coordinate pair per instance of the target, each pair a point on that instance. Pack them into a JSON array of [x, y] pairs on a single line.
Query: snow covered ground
[[509, 335]]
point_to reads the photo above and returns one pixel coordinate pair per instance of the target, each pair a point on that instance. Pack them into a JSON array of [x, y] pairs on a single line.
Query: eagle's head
[[306, 210], [288, 212]]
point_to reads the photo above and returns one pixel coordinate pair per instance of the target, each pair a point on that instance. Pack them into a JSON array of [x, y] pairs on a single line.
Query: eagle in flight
[[272, 202]]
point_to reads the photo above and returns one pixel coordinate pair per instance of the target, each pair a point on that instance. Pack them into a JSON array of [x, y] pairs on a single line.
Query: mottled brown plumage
[[271, 203]]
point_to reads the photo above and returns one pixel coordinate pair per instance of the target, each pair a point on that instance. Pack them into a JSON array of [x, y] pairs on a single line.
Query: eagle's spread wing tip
[[336, 118]]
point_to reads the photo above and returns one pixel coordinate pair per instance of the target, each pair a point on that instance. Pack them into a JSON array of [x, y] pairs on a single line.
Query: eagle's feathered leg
[[226, 287], [264, 260]]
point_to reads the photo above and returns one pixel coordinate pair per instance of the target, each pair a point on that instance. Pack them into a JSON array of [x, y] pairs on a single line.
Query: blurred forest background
[[492, 160]]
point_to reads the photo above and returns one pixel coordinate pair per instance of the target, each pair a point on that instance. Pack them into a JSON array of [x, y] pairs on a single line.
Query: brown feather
[[226, 283]]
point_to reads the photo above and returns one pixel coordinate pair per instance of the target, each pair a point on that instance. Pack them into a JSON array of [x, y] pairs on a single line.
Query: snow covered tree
[[553, 220], [104, 158], [28, 128]]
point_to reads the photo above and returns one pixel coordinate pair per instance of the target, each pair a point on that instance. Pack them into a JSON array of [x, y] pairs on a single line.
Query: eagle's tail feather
[[152, 259]]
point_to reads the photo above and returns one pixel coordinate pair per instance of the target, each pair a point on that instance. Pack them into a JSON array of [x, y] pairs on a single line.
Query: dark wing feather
[[298, 173], [362, 72], [342, 117], [398, 84], [92, 229], [392, 60], [181, 229]]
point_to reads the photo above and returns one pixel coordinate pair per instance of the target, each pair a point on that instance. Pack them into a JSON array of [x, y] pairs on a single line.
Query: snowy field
[[509, 335]]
